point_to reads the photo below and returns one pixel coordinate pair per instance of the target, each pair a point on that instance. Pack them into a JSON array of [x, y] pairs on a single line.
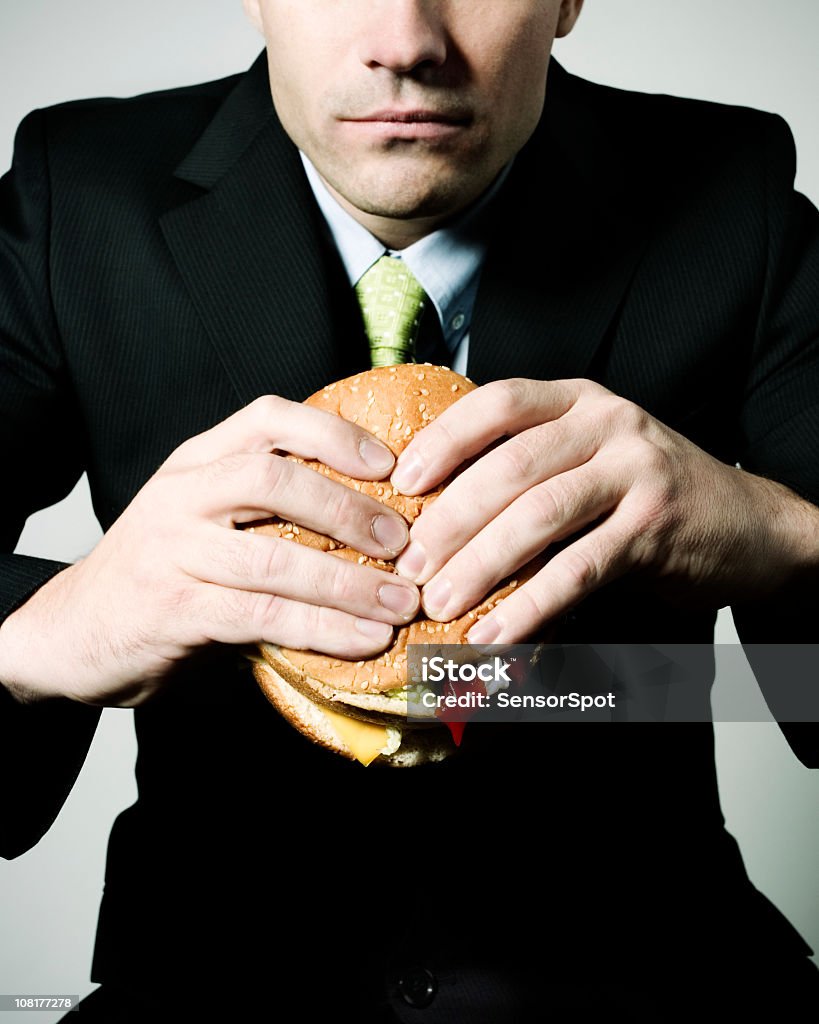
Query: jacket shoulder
[[105, 132]]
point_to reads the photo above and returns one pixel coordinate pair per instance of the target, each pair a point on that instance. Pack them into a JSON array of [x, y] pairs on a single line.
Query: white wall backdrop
[[750, 52]]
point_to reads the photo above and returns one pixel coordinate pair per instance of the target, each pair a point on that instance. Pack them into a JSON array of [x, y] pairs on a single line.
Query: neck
[[391, 232]]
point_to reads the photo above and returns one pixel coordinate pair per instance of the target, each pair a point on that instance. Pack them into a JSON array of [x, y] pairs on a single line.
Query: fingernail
[[484, 632], [401, 600], [437, 595], [378, 631], [390, 532], [406, 473], [412, 561], [377, 456]]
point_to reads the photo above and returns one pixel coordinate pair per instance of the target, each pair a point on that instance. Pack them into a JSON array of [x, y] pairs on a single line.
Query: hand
[[602, 486], [174, 575]]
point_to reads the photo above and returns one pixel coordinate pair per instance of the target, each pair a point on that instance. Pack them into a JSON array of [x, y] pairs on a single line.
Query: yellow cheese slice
[[365, 740]]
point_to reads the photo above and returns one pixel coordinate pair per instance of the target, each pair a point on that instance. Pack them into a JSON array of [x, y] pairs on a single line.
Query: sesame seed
[[289, 535], [513, 584], [251, 529], [380, 491], [422, 406], [354, 390], [362, 559], [454, 387], [424, 391], [369, 394], [422, 375], [359, 664], [296, 530], [365, 684]]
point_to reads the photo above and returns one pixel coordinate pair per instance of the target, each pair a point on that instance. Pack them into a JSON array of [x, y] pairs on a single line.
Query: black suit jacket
[[163, 263]]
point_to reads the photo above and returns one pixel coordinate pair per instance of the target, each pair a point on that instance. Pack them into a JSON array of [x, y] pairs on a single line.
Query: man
[[633, 292]]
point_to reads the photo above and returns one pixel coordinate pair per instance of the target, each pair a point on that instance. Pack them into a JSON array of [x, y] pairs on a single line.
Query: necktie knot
[[392, 302]]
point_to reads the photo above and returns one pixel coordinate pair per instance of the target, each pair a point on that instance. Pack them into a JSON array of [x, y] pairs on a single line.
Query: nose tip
[[412, 35]]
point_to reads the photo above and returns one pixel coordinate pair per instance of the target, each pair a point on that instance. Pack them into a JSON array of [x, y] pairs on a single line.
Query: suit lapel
[[562, 254], [248, 245]]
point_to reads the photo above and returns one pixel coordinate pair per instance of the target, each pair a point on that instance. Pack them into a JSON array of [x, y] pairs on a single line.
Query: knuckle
[[343, 504], [657, 464], [264, 409], [611, 410], [545, 506], [585, 386], [652, 518], [225, 467], [269, 559], [507, 396], [342, 583], [477, 564], [276, 476], [631, 417], [520, 460], [439, 519], [580, 569], [530, 604], [264, 613]]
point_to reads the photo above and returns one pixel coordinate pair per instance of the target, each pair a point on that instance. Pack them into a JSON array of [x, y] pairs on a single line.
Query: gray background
[[749, 52]]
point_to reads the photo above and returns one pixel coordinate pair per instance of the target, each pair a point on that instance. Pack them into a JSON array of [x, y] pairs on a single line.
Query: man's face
[[409, 108]]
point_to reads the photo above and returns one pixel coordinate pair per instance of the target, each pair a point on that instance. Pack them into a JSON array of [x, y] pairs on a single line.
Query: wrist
[[28, 643], [790, 527]]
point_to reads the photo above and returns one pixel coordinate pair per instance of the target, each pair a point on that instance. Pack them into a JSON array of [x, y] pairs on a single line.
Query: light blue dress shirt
[[446, 263]]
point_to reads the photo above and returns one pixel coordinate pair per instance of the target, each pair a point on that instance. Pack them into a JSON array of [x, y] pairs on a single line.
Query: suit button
[[417, 987]]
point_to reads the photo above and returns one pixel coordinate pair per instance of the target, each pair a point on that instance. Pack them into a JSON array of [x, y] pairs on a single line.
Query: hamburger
[[361, 709]]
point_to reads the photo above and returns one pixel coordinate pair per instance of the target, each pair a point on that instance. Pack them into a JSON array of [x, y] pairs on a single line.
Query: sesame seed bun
[[393, 403]]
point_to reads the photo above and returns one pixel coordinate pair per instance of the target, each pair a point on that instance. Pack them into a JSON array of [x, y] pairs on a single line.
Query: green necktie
[[392, 302]]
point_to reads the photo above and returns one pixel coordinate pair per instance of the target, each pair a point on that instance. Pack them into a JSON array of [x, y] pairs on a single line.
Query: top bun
[[393, 403]]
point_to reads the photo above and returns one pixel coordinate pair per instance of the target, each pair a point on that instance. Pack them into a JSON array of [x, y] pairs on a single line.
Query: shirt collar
[[447, 262]]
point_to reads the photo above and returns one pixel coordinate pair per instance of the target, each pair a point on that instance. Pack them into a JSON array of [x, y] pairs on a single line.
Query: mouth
[[410, 124]]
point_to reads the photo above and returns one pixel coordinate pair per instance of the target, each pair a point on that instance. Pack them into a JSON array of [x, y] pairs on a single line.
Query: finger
[[247, 486], [270, 423], [243, 617], [486, 488], [470, 425], [547, 513], [254, 562], [594, 559]]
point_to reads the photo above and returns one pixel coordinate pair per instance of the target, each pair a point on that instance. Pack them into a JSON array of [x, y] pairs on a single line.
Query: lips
[[409, 124], [410, 117]]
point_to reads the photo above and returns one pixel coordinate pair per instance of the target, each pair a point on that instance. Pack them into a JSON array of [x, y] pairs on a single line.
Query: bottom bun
[[400, 746]]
